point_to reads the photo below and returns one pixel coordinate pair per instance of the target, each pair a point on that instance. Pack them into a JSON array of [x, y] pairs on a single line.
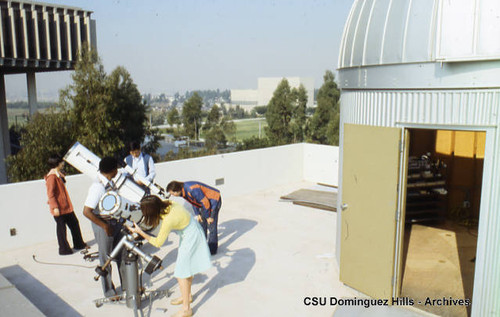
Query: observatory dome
[[382, 32]]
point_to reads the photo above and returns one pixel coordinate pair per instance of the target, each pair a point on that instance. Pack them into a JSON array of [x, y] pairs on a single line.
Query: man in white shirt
[[107, 232], [142, 164]]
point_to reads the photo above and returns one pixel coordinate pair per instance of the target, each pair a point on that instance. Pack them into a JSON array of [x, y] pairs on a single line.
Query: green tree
[[279, 114], [299, 113], [157, 117], [218, 129], [92, 106], [213, 118], [102, 112], [173, 117], [223, 108], [44, 135], [127, 107], [215, 138], [152, 142], [260, 110], [229, 128], [237, 112], [328, 97], [334, 127], [191, 115], [253, 143]]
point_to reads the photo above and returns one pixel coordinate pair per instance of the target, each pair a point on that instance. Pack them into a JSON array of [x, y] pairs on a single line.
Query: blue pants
[[213, 242]]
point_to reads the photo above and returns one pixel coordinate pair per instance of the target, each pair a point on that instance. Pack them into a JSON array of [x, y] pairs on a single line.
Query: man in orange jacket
[[206, 202]]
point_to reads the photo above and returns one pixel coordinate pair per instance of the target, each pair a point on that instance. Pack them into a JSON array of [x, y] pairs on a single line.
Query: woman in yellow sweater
[[193, 255]]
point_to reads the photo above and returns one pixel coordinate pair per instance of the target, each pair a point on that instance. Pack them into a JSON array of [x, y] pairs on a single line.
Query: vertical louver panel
[[41, 35]]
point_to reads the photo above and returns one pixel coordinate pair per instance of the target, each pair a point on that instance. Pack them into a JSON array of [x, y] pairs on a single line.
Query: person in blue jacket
[[206, 202]]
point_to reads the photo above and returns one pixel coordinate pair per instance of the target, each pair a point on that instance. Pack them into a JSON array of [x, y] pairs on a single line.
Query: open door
[[370, 176]]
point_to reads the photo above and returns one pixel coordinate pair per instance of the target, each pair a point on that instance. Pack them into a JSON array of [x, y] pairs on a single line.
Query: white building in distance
[[250, 98], [246, 98]]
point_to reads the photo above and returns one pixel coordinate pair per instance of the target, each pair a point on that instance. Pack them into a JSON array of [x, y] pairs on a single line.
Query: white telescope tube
[[88, 163]]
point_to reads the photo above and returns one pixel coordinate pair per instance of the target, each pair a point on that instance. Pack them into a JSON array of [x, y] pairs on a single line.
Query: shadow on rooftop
[[229, 272], [37, 293], [240, 264], [233, 229]]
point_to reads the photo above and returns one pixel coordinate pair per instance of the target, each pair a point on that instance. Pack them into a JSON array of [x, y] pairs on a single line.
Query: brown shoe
[[179, 301], [184, 313]]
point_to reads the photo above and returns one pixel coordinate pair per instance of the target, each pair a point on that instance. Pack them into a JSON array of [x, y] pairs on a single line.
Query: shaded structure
[[37, 37]]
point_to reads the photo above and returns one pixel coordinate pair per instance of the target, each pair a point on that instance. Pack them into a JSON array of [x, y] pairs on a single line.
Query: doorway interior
[[443, 193]]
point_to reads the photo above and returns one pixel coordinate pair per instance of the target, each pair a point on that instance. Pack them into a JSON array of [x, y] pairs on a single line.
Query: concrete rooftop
[[271, 256]]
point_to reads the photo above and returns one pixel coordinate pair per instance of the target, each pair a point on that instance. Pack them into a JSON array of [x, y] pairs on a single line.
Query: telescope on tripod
[[122, 202]]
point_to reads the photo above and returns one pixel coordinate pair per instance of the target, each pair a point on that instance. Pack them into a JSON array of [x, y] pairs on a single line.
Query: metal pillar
[[4, 132], [32, 102]]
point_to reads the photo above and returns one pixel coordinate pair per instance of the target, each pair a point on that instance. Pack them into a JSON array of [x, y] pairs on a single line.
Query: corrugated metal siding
[[447, 109], [387, 108]]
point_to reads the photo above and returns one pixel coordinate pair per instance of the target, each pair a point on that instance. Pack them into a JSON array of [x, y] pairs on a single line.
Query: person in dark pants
[[206, 202], [61, 207]]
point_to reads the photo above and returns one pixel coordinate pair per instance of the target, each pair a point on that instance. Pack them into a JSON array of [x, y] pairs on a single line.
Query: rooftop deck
[[272, 255]]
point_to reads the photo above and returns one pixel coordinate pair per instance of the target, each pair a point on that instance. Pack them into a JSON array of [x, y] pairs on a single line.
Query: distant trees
[[279, 114], [210, 96], [157, 117], [213, 118], [107, 110], [286, 115], [299, 113], [127, 107], [218, 129], [260, 110], [44, 134], [323, 126], [103, 112], [237, 112], [173, 117], [191, 115]]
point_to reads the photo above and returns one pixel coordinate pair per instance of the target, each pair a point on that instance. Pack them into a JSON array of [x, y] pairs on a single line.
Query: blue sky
[[178, 45]]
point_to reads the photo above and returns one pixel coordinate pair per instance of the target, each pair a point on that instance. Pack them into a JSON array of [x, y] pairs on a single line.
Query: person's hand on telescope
[[210, 220], [56, 212], [135, 229]]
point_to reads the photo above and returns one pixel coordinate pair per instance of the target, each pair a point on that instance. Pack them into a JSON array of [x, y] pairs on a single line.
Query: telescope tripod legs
[[131, 286]]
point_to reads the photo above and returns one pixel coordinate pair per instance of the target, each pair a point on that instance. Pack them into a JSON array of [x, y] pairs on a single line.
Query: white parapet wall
[[321, 164], [24, 209]]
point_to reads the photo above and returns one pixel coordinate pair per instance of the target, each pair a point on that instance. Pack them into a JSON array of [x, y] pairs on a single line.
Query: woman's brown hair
[[153, 208]]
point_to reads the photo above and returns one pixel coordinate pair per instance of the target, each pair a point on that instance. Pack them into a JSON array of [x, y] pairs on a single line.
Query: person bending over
[[206, 203], [193, 255]]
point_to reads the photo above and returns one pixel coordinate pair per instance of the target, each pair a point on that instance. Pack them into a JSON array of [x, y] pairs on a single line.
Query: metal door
[[370, 175]]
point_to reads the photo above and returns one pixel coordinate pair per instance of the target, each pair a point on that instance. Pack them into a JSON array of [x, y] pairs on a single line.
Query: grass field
[[247, 128], [17, 115]]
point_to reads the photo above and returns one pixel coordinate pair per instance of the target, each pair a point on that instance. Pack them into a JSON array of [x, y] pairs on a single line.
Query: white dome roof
[[380, 32]]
